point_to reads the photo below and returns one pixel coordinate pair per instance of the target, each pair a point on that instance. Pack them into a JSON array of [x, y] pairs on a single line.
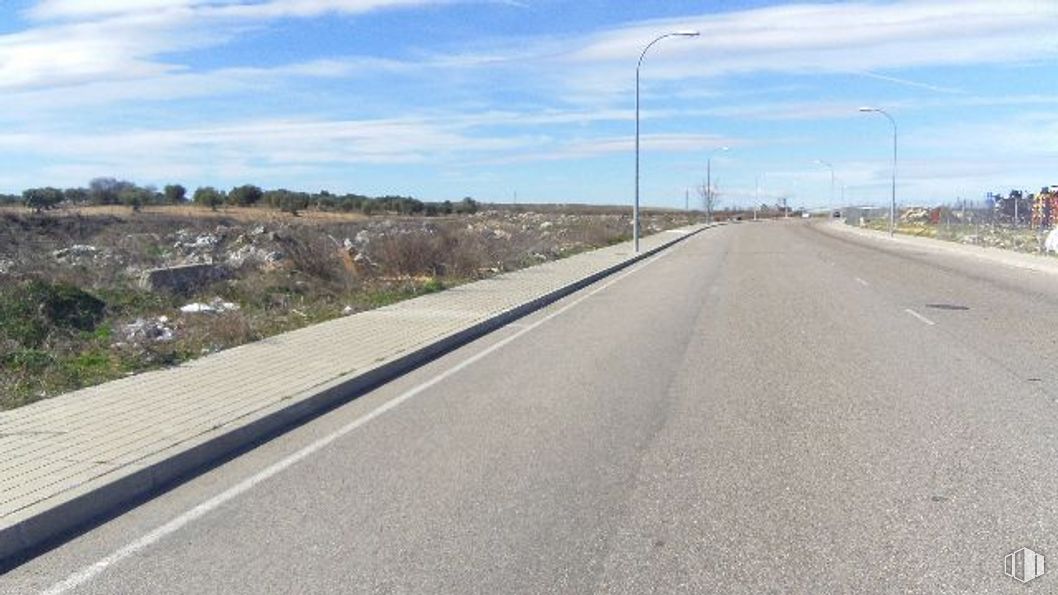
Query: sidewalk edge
[[88, 506]]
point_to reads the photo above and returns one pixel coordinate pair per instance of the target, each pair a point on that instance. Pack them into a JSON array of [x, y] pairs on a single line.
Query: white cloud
[[862, 37], [257, 147], [91, 9], [88, 9], [80, 41], [303, 8], [90, 53], [581, 148]]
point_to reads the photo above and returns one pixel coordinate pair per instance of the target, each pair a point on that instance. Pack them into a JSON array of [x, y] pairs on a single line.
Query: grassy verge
[[1019, 239], [74, 314]]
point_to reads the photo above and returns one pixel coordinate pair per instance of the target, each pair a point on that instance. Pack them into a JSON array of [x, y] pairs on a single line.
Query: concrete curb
[[86, 507]]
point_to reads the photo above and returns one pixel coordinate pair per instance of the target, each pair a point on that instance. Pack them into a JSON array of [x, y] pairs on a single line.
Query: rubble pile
[[148, 329], [80, 255], [215, 306]]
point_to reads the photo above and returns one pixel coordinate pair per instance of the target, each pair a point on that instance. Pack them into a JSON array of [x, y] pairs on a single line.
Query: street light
[[756, 196], [892, 207], [709, 185], [635, 210], [829, 166]]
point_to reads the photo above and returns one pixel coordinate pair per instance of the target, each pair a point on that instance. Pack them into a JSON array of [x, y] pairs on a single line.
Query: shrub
[[34, 310], [39, 199], [208, 196], [175, 194], [313, 255], [410, 254], [245, 195]]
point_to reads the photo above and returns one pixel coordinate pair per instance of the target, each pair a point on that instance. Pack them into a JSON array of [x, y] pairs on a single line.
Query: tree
[[709, 200], [286, 201], [175, 194], [272, 198], [135, 197], [208, 196], [105, 191], [293, 202], [245, 195], [467, 206], [40, 199], [76, 195], [326, 202]]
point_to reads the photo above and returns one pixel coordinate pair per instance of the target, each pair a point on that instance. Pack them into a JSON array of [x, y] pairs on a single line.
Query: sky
[[534, 100]]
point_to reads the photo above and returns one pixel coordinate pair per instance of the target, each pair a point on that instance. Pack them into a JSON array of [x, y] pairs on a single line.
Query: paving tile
[[61, 445]]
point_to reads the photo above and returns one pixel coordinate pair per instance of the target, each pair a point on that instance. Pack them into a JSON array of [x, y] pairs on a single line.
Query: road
[[764, 408]]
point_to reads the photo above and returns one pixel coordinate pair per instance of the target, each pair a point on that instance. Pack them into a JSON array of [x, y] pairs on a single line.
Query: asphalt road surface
[[766, 408]]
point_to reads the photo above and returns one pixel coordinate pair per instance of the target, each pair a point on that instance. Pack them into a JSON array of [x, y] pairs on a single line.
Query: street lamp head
[[635, 208], [868, 109]]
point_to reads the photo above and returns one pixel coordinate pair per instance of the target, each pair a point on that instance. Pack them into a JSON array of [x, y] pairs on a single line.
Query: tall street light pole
[[829, 166], [708, 206], [635, 209], [756, 196], [892, 206]]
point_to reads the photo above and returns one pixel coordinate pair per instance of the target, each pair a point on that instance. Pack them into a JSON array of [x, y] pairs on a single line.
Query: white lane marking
[[919, 316], [88, 573], [862, 282]]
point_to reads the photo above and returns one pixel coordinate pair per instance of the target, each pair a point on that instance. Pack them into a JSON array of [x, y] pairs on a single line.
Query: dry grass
[[184, 212], [318, 266]]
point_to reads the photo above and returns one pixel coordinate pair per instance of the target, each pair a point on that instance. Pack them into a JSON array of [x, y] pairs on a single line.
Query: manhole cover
[[947, 307]]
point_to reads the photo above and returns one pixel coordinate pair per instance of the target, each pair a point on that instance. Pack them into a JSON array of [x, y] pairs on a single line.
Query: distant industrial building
[[861, 215]]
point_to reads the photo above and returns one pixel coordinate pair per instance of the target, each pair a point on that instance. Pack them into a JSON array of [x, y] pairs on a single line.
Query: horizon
[[443, 99]]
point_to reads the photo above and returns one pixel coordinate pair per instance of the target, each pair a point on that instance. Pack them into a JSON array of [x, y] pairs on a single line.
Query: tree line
[[111, 191]]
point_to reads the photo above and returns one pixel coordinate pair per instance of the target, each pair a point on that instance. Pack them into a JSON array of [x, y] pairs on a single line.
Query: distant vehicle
[[806, 215], [836, 214]]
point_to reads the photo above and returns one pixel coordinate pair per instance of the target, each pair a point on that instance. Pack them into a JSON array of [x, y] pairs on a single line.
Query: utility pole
[[829, 166], [707, 197], [708, 190]]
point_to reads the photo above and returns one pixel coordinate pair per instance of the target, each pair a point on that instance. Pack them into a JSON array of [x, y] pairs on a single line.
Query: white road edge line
[[862, 282], [88, 573], [919, 316]]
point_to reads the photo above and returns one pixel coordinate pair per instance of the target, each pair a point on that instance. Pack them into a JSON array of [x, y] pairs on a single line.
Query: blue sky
[[442, 99]]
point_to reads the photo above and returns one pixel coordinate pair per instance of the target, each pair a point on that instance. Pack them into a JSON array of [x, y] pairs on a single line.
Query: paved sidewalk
[[1010, 258], [70, 459]]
